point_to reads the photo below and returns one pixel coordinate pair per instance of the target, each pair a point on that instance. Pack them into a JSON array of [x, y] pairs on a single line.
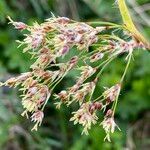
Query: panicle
[[49, 43]]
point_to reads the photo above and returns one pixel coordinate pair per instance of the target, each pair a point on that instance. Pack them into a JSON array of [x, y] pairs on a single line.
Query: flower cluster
[[109, 124], [111, 94], [48, 43], [86, 115], [109, 127], [34, 95]]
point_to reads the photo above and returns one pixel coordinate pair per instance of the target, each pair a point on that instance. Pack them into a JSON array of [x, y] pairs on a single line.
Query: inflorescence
[[54, 39]]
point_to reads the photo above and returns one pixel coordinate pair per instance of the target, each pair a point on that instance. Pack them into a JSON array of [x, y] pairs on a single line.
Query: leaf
[[129, 25]]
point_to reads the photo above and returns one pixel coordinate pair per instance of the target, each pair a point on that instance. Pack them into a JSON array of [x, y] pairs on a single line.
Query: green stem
[[92, 92], [99, 98], [115, 103], [53, 89], [121, 81], [106, 63], [127, 66], [46, 101], [107, 36], [104, 23]]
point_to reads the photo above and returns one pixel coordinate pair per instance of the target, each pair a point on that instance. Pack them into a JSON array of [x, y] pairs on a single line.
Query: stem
[[123, 76], [89, 53], [92, 92], [129, 25], [104, 23], [127, 66], [60, 79], [99, 98], [116, 102], [46, 101], [53, 89], [107, 62], [107, 36]]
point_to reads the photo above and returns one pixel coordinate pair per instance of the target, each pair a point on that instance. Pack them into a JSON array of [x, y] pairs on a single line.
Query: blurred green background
[[56, 132]]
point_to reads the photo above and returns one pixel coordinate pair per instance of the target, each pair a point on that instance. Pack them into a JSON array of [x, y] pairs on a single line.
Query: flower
[[86, 72], [62, 20], [96, 56], [29, 105], [78, 95], [11, 82], [47, 76], [63, 96], [95, 106], [24, 76], [73, 61], [34, 40], [37, 117], [84, 117], [109, 126], [15, 81], [42, 62], [17, 25], [74, 88], [34, 95], [64, 50], [111, 94]]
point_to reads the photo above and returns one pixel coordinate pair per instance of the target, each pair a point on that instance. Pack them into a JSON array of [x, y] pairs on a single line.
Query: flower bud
[[20, 25], [95, 106], [11, 82], [63, 20], [111, 93], [37, 116], [17, 25], [92, 108], [32, 90], [63, 95], [109, 113], [98, 105], [96, 57], [73, 62], [65, 50]]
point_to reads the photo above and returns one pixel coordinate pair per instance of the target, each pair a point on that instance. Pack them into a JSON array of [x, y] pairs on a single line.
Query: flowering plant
[[53, 40]]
